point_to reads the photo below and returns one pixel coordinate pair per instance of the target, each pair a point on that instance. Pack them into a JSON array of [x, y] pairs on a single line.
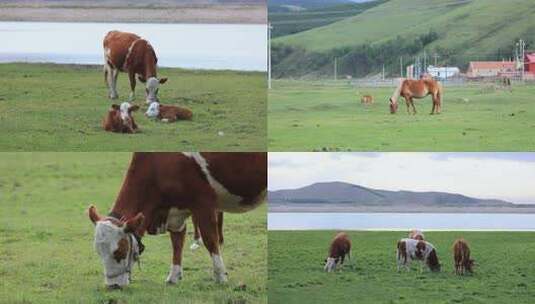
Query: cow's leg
[[413, 107], [197, 241], [220, 227], [177, 240], [114, 73], [407, 102], [208, 226], [132, 78]]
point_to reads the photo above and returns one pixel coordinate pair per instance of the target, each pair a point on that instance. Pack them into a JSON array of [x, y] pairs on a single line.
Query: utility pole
[[269, 55], [522, 45], [436, 57], [401, 66], [383, 72], [335, 71]]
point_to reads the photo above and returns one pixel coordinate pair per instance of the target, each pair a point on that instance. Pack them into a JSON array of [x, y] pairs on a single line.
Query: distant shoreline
[[308, 208], [211, 14]]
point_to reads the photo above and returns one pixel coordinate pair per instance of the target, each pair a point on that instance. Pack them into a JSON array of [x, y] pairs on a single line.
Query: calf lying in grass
[[340, 247], [168, 113], [411, 249], [119, 119], [461, 256]]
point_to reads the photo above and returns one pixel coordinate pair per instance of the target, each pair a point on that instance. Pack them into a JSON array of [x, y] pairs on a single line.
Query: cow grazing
[[161, 190], [119, 119], [168, 113], [416, 234], [461, 256], [340, 247], [411, 249], [366, 99], [129, 53]]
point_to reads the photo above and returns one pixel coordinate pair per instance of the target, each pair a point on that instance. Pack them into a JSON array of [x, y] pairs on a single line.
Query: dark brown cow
[[340, 247], [161, 190], [120, 119], [127, 52], [461, 256]]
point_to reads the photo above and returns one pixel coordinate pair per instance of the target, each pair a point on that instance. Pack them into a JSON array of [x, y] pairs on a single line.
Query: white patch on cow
[[130, 48], [176, 219], [175, 274], [152, 86], [330, 265], [107, 237], [227, 201], [220, 273], [124, 110], [196, 244], [154, 110]]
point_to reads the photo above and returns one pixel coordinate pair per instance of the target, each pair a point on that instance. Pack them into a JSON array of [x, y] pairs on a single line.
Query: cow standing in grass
[[411, 249], [340, 247], [461, 256], [129, 53]]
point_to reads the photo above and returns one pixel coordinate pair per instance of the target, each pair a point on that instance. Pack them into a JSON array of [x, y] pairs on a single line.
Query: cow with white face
[[117, 245], [127, 52]]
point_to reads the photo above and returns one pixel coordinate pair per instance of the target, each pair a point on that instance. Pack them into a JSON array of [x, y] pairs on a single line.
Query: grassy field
[[505, 272], [60, 108], [46, 239], [306, 117]]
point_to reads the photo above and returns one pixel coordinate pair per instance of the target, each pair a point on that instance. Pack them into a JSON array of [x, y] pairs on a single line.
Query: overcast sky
[[508, 176]]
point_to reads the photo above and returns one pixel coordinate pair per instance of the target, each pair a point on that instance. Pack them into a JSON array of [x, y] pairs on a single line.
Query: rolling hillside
[[462, 30]]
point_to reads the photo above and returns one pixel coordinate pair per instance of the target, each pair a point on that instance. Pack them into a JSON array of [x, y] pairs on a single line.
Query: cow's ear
[[93, 214], [134, 223], [115, 106], [141, 79], [163, 80], [133, 108]]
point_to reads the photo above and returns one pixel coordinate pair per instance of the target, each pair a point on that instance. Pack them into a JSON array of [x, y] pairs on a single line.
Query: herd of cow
[[413, 248], [129, 53]]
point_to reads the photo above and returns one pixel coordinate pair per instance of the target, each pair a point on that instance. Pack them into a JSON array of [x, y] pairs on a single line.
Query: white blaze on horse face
[[125, 116], [220, 273], [107, 237], [153, 110], [330, 265], [152, 86]]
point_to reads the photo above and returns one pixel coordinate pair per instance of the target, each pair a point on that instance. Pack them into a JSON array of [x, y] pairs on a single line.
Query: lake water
[[198, 46], [400, 221]]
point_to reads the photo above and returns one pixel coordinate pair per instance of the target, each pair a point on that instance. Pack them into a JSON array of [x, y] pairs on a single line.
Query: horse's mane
[[396, 93]]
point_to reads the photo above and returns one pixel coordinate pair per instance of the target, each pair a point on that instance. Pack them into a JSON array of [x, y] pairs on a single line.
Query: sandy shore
[[232, 13]]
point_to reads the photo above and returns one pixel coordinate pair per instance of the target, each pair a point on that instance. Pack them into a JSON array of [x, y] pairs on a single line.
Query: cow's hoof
[[196, 245], [221, 277], [175, 275], [114, 287]]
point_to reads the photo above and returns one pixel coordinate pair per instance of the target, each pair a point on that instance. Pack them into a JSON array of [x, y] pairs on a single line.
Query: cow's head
[[432, 261], [393, 106], [331, 263], [469, 265], [154, 110], [117, 246], [125, 111], [152, 85]]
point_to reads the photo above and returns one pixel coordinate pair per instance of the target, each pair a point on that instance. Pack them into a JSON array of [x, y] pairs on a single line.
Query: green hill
[[458, 30]]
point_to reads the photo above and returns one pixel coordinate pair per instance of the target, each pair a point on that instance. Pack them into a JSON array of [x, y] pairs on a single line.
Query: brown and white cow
[[127, 52], [168, 113], [119, 119], [340, 247], [416, 234], [461, 256], [161, 190], [411, 249]]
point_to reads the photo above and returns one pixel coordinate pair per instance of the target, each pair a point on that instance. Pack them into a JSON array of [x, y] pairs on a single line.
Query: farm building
[[529, 63], [443, 72], [489, 68]]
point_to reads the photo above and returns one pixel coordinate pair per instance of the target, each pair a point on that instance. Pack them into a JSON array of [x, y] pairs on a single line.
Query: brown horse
[[410, 89]]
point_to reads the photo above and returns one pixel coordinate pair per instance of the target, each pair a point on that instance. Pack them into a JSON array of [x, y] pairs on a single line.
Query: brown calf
[[461, 256], [366, 99], [340, 247], [119, 119]]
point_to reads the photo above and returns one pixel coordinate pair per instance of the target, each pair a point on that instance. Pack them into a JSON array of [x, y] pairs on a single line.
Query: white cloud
[[506, 176]]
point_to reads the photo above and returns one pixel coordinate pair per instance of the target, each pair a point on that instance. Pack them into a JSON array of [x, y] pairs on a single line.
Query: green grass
[[306, 117], [60, 108], [477, 26], [46, 239], [505, 272]]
